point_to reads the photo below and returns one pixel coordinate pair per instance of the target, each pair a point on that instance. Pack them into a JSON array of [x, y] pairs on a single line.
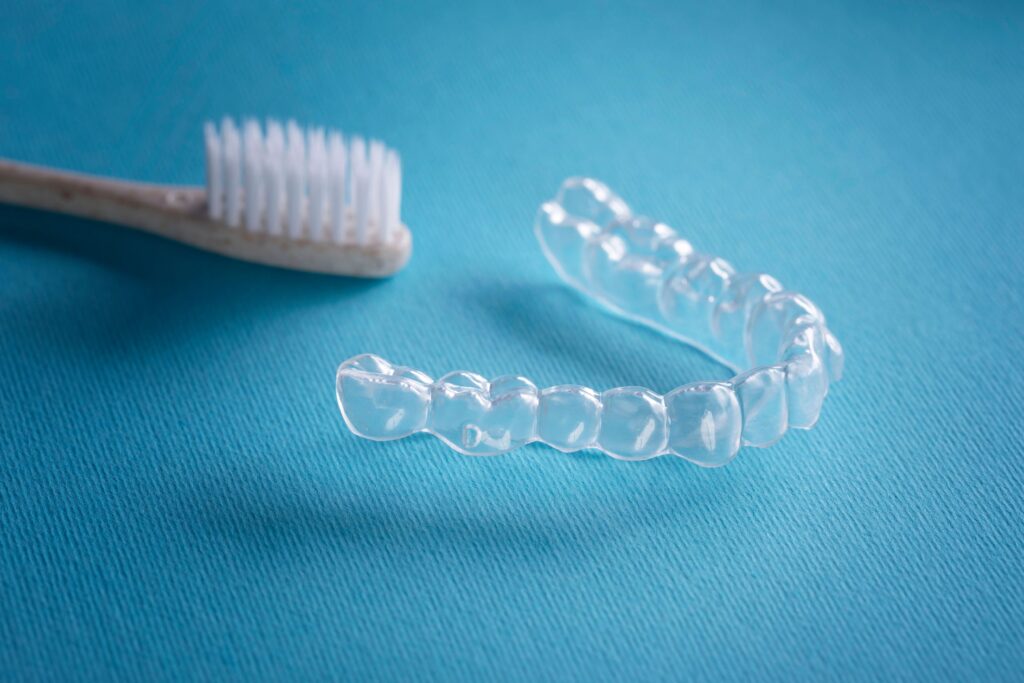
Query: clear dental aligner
[[641, 270]]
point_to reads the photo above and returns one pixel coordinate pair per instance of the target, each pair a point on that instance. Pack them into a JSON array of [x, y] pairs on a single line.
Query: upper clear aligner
[[642, 270]]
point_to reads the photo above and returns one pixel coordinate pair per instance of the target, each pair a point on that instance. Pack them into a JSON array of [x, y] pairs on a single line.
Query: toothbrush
[[287, 197]]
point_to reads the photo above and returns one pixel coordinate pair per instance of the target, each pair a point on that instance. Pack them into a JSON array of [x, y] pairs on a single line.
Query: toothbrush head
[[313, 198]]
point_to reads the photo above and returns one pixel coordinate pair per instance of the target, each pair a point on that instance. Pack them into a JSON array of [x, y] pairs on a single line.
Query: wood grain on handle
[[179, 213]]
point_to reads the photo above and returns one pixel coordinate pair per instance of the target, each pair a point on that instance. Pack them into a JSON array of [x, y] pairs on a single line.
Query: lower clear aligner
[[643, 271]]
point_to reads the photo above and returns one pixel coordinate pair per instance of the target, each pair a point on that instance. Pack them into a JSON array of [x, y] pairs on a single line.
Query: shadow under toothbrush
[[160, 291]]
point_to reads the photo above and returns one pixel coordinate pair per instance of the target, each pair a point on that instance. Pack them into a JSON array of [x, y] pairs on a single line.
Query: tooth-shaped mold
[[563, 238], [833, 357], [580, 213], [762, 396], [806, 374], [625, 265], [644, 236], [806, 386], [634, 424], [568, 417], [706, 422], [512, 420], [642, 270], [382, 401], [772, 319], [730, 315], [619, 277], [591, 200], [670, 251], [477, 417], [690, 294], [459, 403]]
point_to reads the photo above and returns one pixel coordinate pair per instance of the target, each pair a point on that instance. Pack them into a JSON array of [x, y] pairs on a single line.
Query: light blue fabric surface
[[180, 499]]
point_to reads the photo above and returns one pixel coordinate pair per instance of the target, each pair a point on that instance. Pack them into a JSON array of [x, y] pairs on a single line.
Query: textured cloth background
[[179, 497]]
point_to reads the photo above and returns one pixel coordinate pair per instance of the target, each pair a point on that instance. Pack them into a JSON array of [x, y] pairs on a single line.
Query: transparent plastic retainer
[[643, 271]]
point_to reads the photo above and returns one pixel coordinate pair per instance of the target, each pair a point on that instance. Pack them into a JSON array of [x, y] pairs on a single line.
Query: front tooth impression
[[762, 395], [477, 417], [382, 401], [634, 425], [568, 417], [706, 423], [806, 386], [806, 375]]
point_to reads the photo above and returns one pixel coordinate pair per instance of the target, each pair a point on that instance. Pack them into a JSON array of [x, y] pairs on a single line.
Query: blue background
[[179, 497]]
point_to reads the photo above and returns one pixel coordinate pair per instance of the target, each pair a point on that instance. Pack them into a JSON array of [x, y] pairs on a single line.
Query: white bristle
[[383, 205], [376, 167], [362, 203], [232, 172], [336, 161], [317, 179], [253, 142], [358, 187], [306, 184], [392, 171], [273, 172], [396, 191], [356, 168], [214, 172], [295, 177]]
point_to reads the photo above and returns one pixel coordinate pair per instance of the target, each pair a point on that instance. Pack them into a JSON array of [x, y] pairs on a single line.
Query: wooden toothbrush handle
[[153, 208]]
